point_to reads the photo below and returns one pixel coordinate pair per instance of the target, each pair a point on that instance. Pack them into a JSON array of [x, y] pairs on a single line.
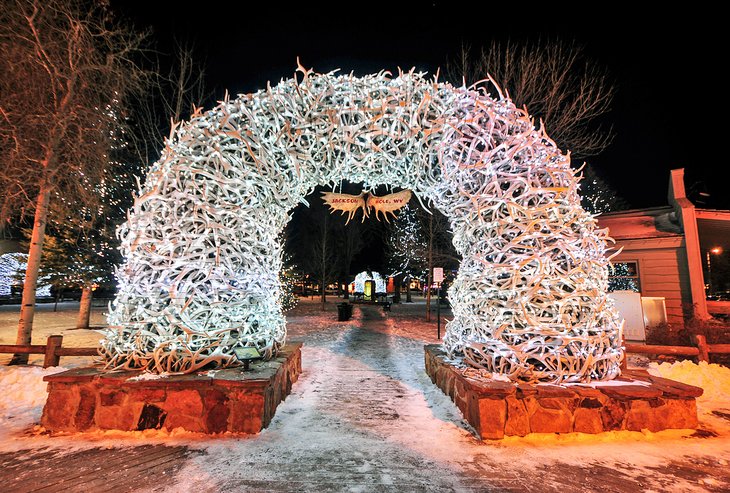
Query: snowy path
[[343, 426], [365, 417]]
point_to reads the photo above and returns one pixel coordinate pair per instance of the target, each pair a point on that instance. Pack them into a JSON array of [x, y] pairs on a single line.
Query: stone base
[[233, 400], [635, 401]]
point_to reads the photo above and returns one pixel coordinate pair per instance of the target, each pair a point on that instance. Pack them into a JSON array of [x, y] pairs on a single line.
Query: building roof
[[714, 228], [654, 222]]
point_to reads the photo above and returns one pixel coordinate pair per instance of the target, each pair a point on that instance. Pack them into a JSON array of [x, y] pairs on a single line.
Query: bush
[[668, 335]]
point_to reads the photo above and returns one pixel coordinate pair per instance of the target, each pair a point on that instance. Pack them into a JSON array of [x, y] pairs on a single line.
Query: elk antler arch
[[202, 242]]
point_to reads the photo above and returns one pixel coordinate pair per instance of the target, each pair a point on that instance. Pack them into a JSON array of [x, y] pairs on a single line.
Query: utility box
[[655, 311], [629, 306]]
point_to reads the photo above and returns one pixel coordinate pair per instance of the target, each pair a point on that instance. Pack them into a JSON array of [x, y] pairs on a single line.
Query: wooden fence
[[52, 350], [701, 350]]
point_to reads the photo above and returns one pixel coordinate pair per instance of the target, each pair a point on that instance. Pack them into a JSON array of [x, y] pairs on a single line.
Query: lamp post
[[714, 251]]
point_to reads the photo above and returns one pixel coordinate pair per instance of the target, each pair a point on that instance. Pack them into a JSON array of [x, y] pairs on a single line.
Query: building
[[667, 251]]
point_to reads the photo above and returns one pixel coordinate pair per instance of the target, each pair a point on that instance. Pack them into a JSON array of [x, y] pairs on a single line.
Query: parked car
[[719, 296]]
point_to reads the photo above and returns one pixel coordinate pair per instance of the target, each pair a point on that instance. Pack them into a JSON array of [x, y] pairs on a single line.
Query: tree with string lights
[[406, 249], [67, 69], [288, 278], [597, 195]]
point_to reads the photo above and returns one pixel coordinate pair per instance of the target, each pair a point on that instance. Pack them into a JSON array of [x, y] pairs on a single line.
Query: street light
[[714, 251]]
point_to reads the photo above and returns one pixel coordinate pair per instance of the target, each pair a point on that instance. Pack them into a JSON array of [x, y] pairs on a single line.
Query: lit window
[[624, 276]]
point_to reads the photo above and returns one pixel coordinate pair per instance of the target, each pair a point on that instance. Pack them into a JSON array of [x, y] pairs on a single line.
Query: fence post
[[50, 357], [701, 342]]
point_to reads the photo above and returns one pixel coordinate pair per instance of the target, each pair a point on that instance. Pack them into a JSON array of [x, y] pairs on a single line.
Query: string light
[[363, 277], [12, 273], [407, 247]]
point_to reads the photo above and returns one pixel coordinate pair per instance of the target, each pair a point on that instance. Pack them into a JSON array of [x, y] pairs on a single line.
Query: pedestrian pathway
[[349, 425], [91, 470]]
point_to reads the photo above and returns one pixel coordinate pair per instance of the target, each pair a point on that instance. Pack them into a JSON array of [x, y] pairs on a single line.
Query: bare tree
[[67, 70], [177, 88], [554, 80], [349, 243], [440, 251], [313, 243], [322, 259]]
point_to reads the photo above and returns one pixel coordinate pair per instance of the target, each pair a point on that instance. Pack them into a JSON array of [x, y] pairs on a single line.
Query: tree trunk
[[27, 307], [59, 292], [397, 283], [430, 268], [428, 297], [323, 294], [346, 294], [324, 263], [85, 308], [409, 298]]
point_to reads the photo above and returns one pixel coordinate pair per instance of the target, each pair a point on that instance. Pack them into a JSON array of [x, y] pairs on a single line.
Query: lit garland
[[202, 242]]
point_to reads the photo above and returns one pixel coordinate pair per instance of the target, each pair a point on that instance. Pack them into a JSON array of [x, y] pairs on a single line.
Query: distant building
[[667, 250], [369, 286]]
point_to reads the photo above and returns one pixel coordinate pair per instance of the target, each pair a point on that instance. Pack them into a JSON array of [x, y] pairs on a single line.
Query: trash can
[[344, 312]]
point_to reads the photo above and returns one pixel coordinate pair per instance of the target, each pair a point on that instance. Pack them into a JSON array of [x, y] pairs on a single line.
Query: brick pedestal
[[636, 401], [232, 400]]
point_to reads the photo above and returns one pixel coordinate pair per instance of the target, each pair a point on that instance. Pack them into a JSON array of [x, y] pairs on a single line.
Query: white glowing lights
[[202, 241], [361, 278], [12, 269]]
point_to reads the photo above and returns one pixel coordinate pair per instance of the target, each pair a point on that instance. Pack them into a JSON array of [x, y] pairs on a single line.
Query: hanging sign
[[347, 204], [350, 204], [388, 204]]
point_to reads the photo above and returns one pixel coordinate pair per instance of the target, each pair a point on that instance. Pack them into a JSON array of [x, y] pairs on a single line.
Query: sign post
[[246, 354], [438, 278]]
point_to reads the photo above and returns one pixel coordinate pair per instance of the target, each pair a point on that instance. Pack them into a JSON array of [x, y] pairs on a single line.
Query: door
[[369, 294]]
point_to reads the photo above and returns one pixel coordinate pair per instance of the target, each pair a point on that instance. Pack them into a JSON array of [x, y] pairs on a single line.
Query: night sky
[[668, 108]]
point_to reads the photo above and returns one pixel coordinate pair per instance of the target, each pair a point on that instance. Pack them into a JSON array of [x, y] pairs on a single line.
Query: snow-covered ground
[[365, 417], [47, 322]]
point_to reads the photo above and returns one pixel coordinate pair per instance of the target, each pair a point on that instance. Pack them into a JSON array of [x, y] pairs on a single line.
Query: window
[[624, 276]]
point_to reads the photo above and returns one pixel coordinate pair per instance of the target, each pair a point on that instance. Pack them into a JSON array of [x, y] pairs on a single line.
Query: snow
[[608, 383], [364, 416], [714, 379], [23, 397], [149, 376], [47, 322]]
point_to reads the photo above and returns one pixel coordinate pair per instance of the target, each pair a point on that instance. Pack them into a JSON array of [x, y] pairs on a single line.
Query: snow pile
[[24, 394], [714, 379], [607, 383], [149, 376]]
